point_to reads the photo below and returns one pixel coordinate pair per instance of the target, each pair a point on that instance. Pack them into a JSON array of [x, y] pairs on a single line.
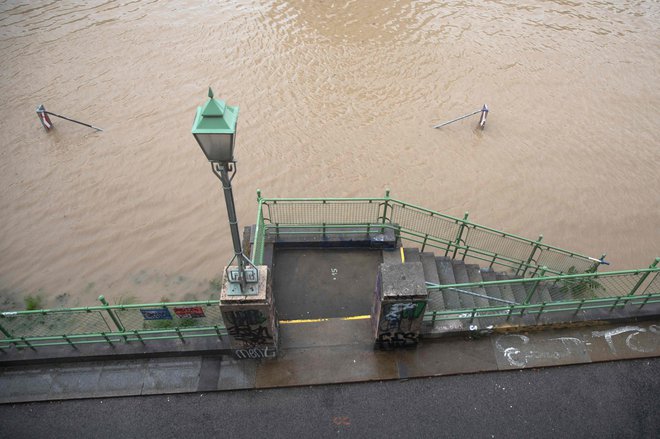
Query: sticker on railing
[[156, 314], [189, 312]]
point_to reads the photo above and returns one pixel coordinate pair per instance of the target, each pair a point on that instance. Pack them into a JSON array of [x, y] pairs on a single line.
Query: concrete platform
[[324, 283]]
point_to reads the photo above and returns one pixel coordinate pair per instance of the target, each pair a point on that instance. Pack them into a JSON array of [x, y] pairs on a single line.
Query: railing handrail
[[544, 306], [457, 220], [430, 285], [109, 307]]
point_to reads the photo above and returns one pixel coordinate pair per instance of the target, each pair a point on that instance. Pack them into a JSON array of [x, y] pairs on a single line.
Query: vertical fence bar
[[5, 332], [644, 276], [69, 341], [459, 234], [535, 247], [139, 337], [536, 284], [112, 315], [27, 343], [644, 302], [383, 219], [258, 249], [107, 338]]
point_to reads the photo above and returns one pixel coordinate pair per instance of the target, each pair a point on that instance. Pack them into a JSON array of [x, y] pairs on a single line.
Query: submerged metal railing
[[111, 324], [451, 236]]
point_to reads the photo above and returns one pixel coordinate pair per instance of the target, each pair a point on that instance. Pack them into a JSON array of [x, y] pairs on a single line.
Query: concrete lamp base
[[250, 319]]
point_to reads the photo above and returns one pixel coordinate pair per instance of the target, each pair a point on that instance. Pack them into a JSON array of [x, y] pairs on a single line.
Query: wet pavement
[[334, 343], [332, 351], [324, 283]]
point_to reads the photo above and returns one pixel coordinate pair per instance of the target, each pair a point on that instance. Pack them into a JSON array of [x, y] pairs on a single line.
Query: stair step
[[518, 291], [460, 273], [556, 293], [431, 275], [492, 290], [545, 293], [392, 256], [507, 292], [474, 274], [411, 254], [446, 276]]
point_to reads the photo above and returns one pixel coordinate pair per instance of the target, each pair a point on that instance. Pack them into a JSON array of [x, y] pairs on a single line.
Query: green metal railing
[[548, 294], [111, 324], [451, 236]]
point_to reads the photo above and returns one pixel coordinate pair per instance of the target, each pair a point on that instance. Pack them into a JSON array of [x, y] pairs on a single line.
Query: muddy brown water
[[337, 98]]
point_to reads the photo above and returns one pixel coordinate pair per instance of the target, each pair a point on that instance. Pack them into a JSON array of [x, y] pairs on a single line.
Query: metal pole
[[457, 119], [222, 170], [41, 110], [114, 318]]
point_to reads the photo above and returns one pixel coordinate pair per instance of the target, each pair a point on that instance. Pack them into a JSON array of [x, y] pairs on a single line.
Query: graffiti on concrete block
[[392, 340], [397, 313], [254, 353], [399, 324], [248, 326]]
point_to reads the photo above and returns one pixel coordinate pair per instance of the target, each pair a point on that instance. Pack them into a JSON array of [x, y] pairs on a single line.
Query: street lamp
[[214, 129]]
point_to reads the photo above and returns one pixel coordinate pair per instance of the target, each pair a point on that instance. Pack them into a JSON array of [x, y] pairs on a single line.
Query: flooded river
[[337, 98]]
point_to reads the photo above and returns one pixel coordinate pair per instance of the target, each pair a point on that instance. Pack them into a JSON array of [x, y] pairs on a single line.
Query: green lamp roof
[[215, 117]]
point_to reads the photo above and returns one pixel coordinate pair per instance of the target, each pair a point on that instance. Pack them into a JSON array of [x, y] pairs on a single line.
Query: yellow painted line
[[293, 322], [403, 258]]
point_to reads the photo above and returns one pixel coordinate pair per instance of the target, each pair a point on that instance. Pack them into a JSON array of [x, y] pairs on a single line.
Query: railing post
[[5, 332], [426, 237], [459, 235], [535, 247], [114, 318], [536, 284], [644, 276], [595, 266], [386, 204]]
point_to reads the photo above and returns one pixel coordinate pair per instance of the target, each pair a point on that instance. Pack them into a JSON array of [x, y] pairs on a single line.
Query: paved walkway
[[332, 351]]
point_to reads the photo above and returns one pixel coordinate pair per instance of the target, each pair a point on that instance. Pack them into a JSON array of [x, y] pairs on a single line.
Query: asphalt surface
[[603, 400]]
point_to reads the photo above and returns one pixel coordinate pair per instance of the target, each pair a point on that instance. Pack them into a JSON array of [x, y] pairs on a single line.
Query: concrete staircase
[[442, 270]]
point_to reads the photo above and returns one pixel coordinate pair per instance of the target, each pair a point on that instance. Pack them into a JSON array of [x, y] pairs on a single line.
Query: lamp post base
[[250, 319], [248, 288]]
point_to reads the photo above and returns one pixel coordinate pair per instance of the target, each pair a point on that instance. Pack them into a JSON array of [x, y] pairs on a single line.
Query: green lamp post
[[214, 129]]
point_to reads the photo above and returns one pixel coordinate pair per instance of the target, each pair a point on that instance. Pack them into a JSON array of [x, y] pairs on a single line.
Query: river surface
[[337, 98]]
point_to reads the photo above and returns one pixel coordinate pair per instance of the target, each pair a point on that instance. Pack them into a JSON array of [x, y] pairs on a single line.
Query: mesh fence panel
[[482, 244], [654, 285], [169, 317], [561, 262], [497, 243], [570, 289], [424, 223], [55, 323], [593, 287], [341, 212]]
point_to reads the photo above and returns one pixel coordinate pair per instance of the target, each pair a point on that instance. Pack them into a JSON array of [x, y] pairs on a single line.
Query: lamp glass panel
[[217, 147]]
